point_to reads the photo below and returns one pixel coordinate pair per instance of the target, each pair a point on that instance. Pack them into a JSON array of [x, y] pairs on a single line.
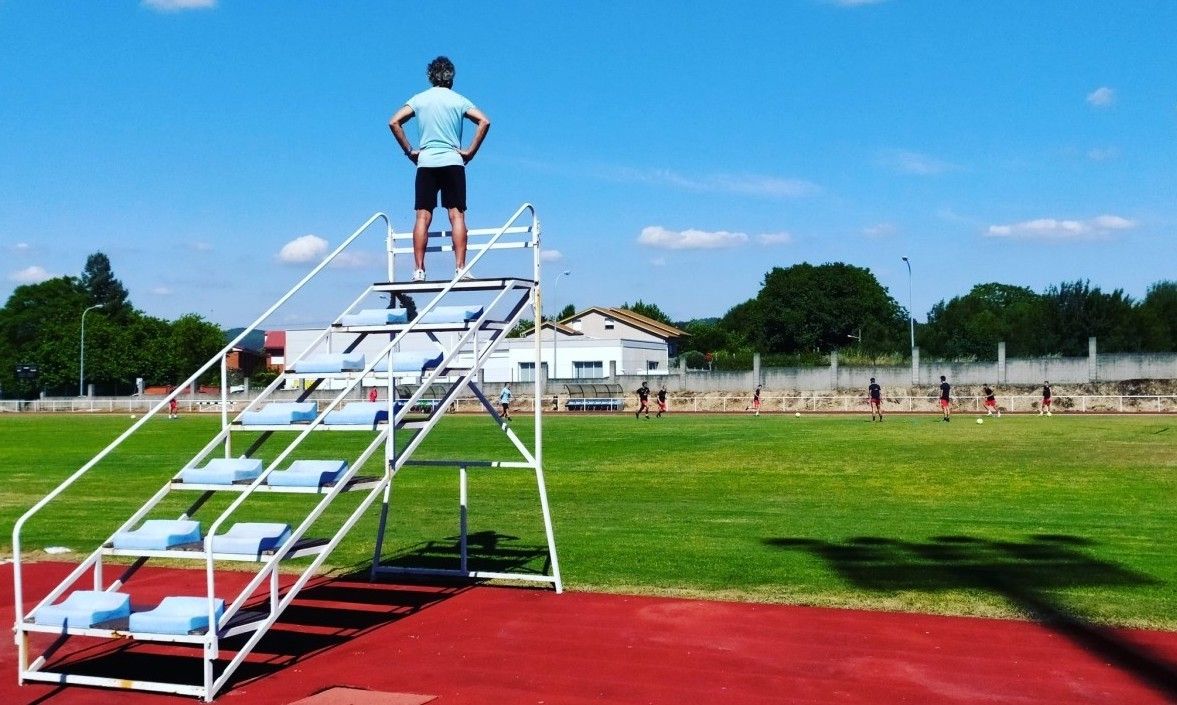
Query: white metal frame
[[514, 293]]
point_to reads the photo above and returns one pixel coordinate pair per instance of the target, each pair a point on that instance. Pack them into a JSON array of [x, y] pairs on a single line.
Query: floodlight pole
[[82, 353], [555, 333], [911, 321]]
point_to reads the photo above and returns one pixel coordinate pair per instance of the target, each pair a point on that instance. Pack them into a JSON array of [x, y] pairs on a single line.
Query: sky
[[675, 151]]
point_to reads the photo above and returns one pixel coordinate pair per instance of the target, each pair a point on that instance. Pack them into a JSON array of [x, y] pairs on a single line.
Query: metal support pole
[[463, 499], [82, 352]]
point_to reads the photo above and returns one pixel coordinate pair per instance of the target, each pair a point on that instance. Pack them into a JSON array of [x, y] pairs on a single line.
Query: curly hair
[[441, 72]]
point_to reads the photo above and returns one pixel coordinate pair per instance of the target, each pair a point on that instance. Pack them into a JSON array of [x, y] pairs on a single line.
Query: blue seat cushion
[[251, 538], [281, 413], [331, 362], [85, 608], [176, 615], [308, 473], [360, 413], [451, 314], [410, 361], [375, 317], [158, 534], [223, 471]]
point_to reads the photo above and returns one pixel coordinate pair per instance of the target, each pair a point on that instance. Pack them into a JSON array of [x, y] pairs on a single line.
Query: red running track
[[486, 645]]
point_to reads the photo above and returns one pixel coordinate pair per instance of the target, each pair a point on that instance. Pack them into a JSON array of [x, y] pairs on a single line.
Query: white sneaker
[[418, 275], [462, 277]]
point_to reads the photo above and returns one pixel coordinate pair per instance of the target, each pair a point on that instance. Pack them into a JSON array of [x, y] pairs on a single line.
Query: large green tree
[[973, 324], [825, 307], [649, 311], [104, 288]]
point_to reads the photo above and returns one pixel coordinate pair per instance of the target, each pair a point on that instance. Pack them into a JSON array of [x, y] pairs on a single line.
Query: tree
[[649, 311], [824, 307], [191, 342], [103, 288], [1078, 311], [973, 324], [41, 324], [567, 312], [1157, 317]]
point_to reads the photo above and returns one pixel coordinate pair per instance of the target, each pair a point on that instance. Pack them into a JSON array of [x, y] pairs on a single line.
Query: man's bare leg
[[458, 230], [421, 237]]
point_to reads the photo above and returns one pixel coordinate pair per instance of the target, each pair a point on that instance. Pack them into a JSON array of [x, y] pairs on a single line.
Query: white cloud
[[198, 246], [1056, 229], [744, 184], [658, 236], [1100, 154], [907, 162], [768, 239], [879, 230], [30, 275], [161, 291], [658, 262], [1101, 97], [855, 3], [178, 5], [21, 247], [551, 255], [1113, 222], [307, 248]]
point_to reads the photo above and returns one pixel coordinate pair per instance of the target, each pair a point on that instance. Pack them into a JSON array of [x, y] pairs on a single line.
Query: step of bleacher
[[476, 284], [174, 619], [355, 484]]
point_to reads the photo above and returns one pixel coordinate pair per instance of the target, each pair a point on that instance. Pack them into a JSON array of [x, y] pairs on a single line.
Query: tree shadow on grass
[[1024, 573]]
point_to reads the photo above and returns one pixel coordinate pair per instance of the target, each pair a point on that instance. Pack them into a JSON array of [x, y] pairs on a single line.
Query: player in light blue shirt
[[440, 159], [505, 400]]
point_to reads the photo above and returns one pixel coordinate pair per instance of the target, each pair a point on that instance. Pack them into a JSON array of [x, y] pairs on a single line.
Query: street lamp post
[[911, 320], [555, 334], [82, 353]]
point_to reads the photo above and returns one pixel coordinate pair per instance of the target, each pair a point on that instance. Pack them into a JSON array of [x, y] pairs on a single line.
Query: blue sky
[[676, 151]]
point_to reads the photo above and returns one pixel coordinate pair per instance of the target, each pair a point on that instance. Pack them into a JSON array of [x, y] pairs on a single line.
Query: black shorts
[[449, 180]]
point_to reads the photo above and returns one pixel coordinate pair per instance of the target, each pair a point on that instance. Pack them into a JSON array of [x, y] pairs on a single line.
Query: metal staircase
[[385, 351]]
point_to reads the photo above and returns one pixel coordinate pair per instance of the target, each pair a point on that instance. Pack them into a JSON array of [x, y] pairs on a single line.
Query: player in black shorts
[[875, 396], [1046, 400], [643, 393], [661, 402]]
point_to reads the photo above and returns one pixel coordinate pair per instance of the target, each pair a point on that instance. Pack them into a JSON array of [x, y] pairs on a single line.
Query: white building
[[594, 343]]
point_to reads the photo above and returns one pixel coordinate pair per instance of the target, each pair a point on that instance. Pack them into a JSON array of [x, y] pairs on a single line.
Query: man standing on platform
[[440, 159]]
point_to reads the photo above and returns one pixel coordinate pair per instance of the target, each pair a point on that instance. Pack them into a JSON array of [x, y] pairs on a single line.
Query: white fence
[[702, 403]]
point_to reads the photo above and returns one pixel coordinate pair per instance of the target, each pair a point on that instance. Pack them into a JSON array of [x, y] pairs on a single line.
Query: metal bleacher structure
[[89, 605], [594, 397]]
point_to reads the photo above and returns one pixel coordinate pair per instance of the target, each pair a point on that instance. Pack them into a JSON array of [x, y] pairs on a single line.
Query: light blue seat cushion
[[410, 361], [85, 608], [158, 534], [281, 413], [330, 362], [251, 538], [375, 317], [223, 471], [176, 615], [308, 473], [451, 314]]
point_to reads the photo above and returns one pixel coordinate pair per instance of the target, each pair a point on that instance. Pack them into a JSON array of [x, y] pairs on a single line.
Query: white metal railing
[[1073, 403]]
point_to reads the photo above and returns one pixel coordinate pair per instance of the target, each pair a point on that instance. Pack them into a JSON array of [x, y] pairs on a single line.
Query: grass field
[[1020, 515]]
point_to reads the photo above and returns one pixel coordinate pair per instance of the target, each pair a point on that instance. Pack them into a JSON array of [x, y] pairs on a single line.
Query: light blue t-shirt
[[505, 396], [440, 113]]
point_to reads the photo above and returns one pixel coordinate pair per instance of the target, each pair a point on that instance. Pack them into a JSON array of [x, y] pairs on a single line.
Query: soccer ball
[[132, 416], [798, 414], [980, 420], [1049, 414]]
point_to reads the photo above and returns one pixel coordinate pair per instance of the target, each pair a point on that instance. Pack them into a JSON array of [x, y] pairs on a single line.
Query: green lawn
[[1019, 515]]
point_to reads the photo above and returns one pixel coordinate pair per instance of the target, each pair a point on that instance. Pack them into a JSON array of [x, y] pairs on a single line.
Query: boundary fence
[[697, 403]]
